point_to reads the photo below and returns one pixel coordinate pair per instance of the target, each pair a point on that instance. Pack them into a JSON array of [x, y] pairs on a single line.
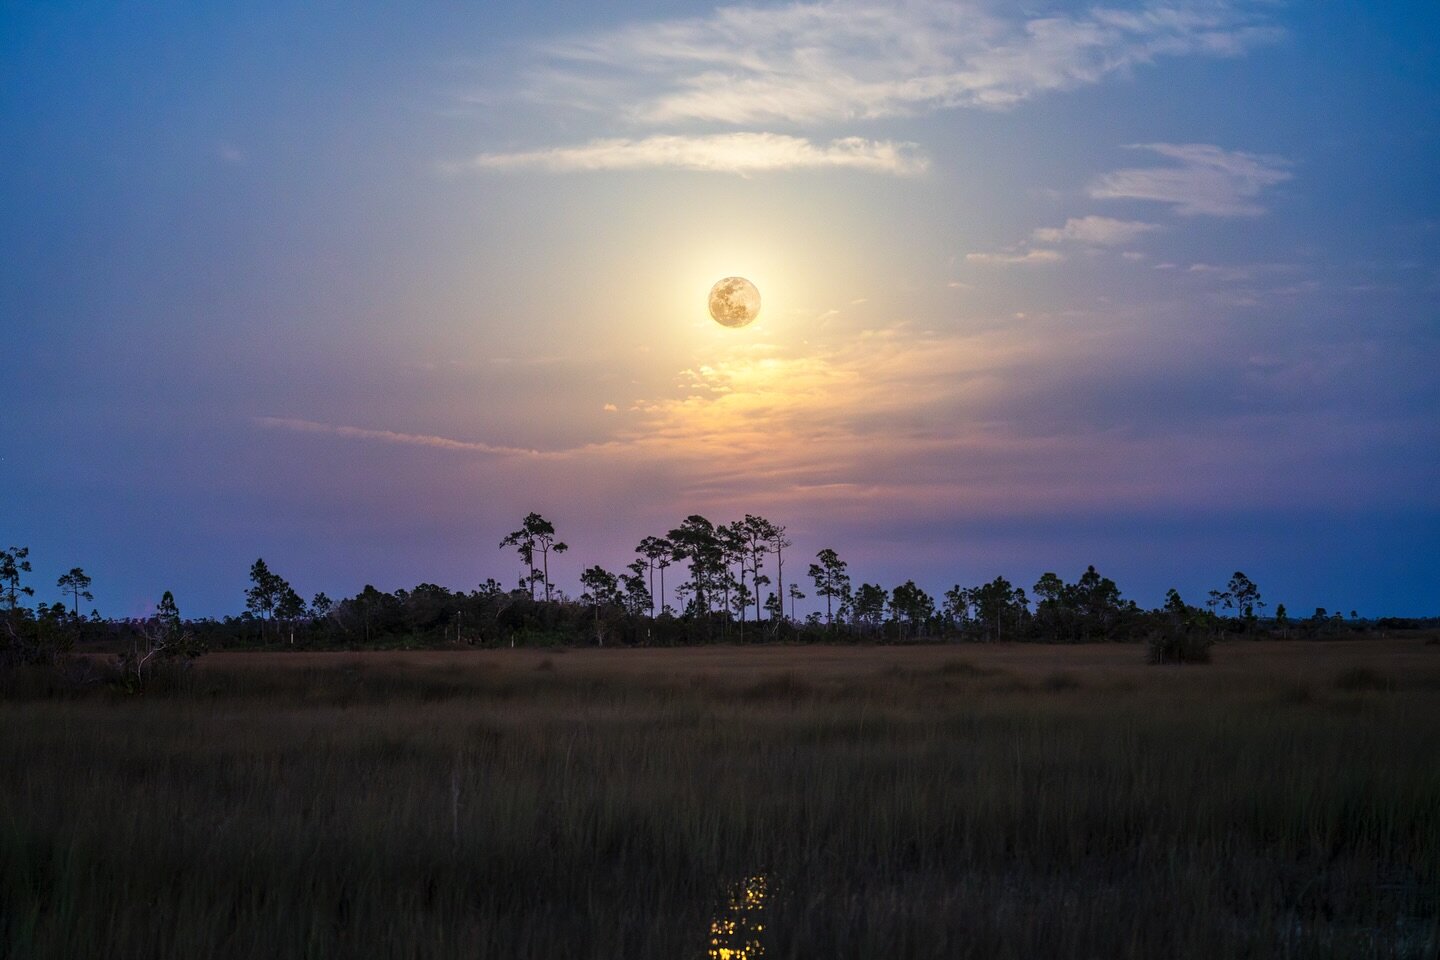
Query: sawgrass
[[916, 802]]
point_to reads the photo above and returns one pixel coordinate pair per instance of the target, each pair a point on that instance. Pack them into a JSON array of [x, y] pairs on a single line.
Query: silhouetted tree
[[370, 603], [1245, 596], [732, 550], [266, 589], [489, 590], [757, 538], [1096, 600], [778, 543], [167, 611], [775, 607], [637, 594], [869, 604], [1184, 634], [77, 584], [162, 638], [831, 579], [1054, 607], [739, 603], [602, 588], [910, 606], [795, 594], [696, 541], [662, 563], [289, 607], [657, 552], [1177, 608], [535, 533], [1240, 595], [998, 604], [957, 607], [13, 563]]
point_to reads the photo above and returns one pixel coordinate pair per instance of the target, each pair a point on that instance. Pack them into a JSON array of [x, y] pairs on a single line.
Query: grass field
[[936, 801]]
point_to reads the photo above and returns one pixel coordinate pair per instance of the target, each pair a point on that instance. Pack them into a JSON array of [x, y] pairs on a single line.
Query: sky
[[354, 287]]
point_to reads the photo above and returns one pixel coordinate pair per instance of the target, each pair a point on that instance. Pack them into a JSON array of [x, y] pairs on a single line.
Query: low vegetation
[[919, 801]]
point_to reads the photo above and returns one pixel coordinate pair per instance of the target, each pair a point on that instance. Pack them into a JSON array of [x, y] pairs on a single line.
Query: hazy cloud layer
[[390, 436], [812, 63], [1029, 417], [1095, 231], [1037, 255], [1205, 180], [740, 153]]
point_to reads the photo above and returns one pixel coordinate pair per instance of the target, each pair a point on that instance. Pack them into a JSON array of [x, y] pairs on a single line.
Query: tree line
[[727, 582]]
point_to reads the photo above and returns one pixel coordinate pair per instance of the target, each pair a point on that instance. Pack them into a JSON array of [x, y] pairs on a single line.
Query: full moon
[[734, 302]]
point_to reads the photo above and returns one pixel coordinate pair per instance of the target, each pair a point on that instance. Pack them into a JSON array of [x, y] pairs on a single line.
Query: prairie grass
[[886, 802]]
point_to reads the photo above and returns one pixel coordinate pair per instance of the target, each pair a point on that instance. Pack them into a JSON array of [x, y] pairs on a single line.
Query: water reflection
[[737, 931]]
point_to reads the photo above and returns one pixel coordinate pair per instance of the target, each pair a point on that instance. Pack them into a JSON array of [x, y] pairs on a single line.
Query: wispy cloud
[[1095, 231], [1034, 255], [812, 63], [1205, 180], [390, 436], [739, 153], [1242, 272], [229, 153]]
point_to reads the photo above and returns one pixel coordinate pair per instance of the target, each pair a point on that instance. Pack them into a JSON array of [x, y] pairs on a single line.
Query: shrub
[[1180, 646]]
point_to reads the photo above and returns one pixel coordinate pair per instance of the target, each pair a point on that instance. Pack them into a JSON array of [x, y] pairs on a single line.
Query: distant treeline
[[431, 615], [722, 591]]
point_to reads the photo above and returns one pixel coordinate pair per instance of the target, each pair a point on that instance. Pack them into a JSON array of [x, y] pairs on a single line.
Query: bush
[[1180, 646]]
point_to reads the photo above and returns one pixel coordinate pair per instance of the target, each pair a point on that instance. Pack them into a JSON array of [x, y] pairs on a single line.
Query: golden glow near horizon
[[736, 934]]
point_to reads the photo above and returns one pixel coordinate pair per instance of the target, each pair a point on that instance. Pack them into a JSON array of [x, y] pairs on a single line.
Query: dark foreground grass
[[888, 803]]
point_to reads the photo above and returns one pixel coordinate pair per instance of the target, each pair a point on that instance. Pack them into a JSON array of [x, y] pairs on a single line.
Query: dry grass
[[1008, 801]]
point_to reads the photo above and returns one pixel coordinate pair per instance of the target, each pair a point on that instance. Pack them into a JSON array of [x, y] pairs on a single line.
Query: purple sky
[[1150, 286]]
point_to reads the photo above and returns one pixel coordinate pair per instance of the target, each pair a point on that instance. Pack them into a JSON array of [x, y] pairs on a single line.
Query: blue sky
[[1150, 286]]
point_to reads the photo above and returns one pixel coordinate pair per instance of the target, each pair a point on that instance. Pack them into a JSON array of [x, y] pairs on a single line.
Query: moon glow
[[734, 302]]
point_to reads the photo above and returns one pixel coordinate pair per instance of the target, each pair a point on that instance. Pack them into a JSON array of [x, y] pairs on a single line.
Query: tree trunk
[[780, 581]]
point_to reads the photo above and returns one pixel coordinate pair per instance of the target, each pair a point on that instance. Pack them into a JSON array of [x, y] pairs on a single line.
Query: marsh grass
[[1357, 679], [607, 805]]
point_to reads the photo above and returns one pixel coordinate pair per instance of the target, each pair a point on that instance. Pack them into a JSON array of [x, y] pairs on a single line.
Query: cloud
[[390, 436], [1090, 231], [813, 63], [1096, 231], [1207, 180], [741, 153], [1036, 255], [229, 153], [1242, 272], [1037, 412], [819, 421]]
